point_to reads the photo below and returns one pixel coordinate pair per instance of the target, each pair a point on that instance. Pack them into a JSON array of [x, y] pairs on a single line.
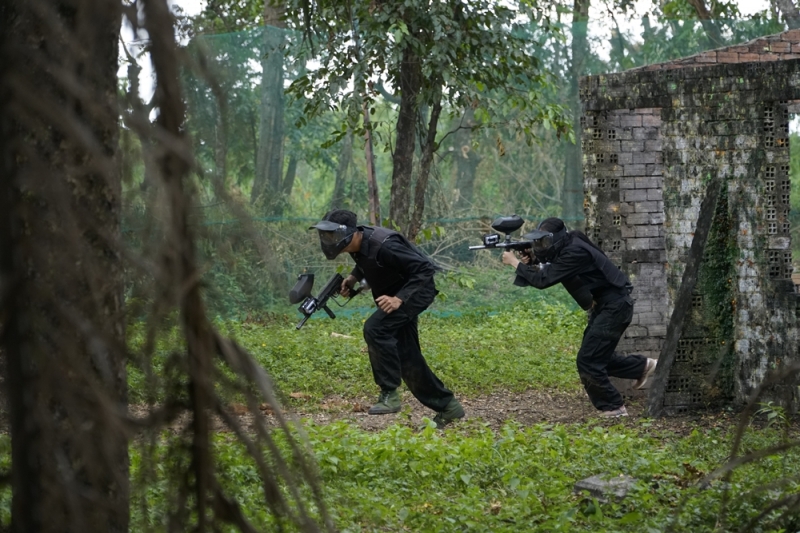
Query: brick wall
[[623, 169], [778, 47], [652, 138]]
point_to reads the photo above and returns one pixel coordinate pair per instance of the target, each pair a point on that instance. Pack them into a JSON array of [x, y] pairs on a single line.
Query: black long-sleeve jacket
[[412, 269], [596, 272]]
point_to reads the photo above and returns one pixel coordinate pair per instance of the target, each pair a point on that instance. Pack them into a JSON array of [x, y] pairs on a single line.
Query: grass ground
[[512, 464]]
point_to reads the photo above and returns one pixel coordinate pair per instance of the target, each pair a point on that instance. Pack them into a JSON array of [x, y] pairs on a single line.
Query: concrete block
[[648, 182], [632, 146], [651, 319], [646, 207], [625, 158], [631, 120], [638, 218], [638, 244], [634, 170], [655, 194], [634, 195], [646, 231], [652, 121], [642, 134], [645, 157]]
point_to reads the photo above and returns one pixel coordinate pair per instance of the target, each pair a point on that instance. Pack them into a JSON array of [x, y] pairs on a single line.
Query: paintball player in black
[[402, 284], [560, 256]]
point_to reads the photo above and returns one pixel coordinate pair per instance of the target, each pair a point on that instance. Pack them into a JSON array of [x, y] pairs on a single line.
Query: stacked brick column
[[625, 212]]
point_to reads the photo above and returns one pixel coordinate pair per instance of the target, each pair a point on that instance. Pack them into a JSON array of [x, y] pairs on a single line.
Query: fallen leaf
[[340, 336], [238, 408], [300, 395]]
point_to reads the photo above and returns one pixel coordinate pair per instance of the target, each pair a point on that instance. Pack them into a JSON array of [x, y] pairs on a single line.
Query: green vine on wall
[[715, 282]]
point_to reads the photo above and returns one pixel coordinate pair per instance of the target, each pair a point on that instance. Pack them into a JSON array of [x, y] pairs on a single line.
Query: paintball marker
[[507, 225], [302, 292]]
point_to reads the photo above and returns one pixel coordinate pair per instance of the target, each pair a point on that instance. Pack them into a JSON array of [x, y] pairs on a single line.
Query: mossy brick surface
[[652, 140]]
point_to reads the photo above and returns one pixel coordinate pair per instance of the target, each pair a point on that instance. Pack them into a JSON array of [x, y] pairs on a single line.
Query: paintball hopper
[[507, 225], [301, 289], [309, 304]]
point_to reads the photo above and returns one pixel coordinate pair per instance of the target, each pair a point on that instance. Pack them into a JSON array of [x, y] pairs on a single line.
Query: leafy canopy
[[478, 53]]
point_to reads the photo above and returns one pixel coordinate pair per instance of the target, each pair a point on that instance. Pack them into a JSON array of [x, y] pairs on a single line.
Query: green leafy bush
[[515, 479]]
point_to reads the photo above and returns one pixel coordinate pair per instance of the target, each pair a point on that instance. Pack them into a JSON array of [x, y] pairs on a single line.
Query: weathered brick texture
[[652, 138]]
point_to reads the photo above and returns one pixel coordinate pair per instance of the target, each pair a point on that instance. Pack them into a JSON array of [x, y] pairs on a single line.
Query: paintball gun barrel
[[302, 292], [506, 225]]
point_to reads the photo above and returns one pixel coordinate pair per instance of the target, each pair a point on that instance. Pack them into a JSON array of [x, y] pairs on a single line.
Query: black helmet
[[336, 230], [548, 238]]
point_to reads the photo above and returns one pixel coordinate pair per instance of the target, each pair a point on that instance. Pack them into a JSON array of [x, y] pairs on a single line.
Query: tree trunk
[[467, 161], [60, 272], [269, 159], [425, 169], [617, 49], [288, 179], [790, 13], [345, 156], [572, 209], [710, 27], [372, 179], [410, 83]]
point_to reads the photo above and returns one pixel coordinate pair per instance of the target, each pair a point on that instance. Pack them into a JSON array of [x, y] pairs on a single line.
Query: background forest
[[487, 127], [152, 225]]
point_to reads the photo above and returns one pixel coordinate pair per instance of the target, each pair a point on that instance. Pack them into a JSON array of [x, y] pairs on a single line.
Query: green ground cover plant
[[473, 478], [475, 352]]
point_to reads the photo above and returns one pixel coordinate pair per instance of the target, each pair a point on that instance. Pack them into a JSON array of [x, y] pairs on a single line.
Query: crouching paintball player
[[561, 256], [402, 282]]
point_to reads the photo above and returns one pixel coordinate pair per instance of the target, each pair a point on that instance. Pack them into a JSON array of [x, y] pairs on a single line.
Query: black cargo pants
[[597, 359], [394, 351]]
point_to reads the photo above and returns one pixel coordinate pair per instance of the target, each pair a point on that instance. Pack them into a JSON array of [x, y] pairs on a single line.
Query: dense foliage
[[501, 80], [486, 82]]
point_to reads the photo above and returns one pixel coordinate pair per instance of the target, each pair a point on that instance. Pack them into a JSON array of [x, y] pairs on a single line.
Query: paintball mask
[[545, 244], [333, 237]]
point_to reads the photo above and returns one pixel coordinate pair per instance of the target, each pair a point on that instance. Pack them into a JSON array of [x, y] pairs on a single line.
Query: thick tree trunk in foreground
[[60, 273]]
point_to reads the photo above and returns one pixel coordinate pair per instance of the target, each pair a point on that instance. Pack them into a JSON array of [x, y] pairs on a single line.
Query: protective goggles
[[336, 236], [543, 243]]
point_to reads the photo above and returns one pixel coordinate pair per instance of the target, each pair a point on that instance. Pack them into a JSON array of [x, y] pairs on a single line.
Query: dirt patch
[[527, 408]]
